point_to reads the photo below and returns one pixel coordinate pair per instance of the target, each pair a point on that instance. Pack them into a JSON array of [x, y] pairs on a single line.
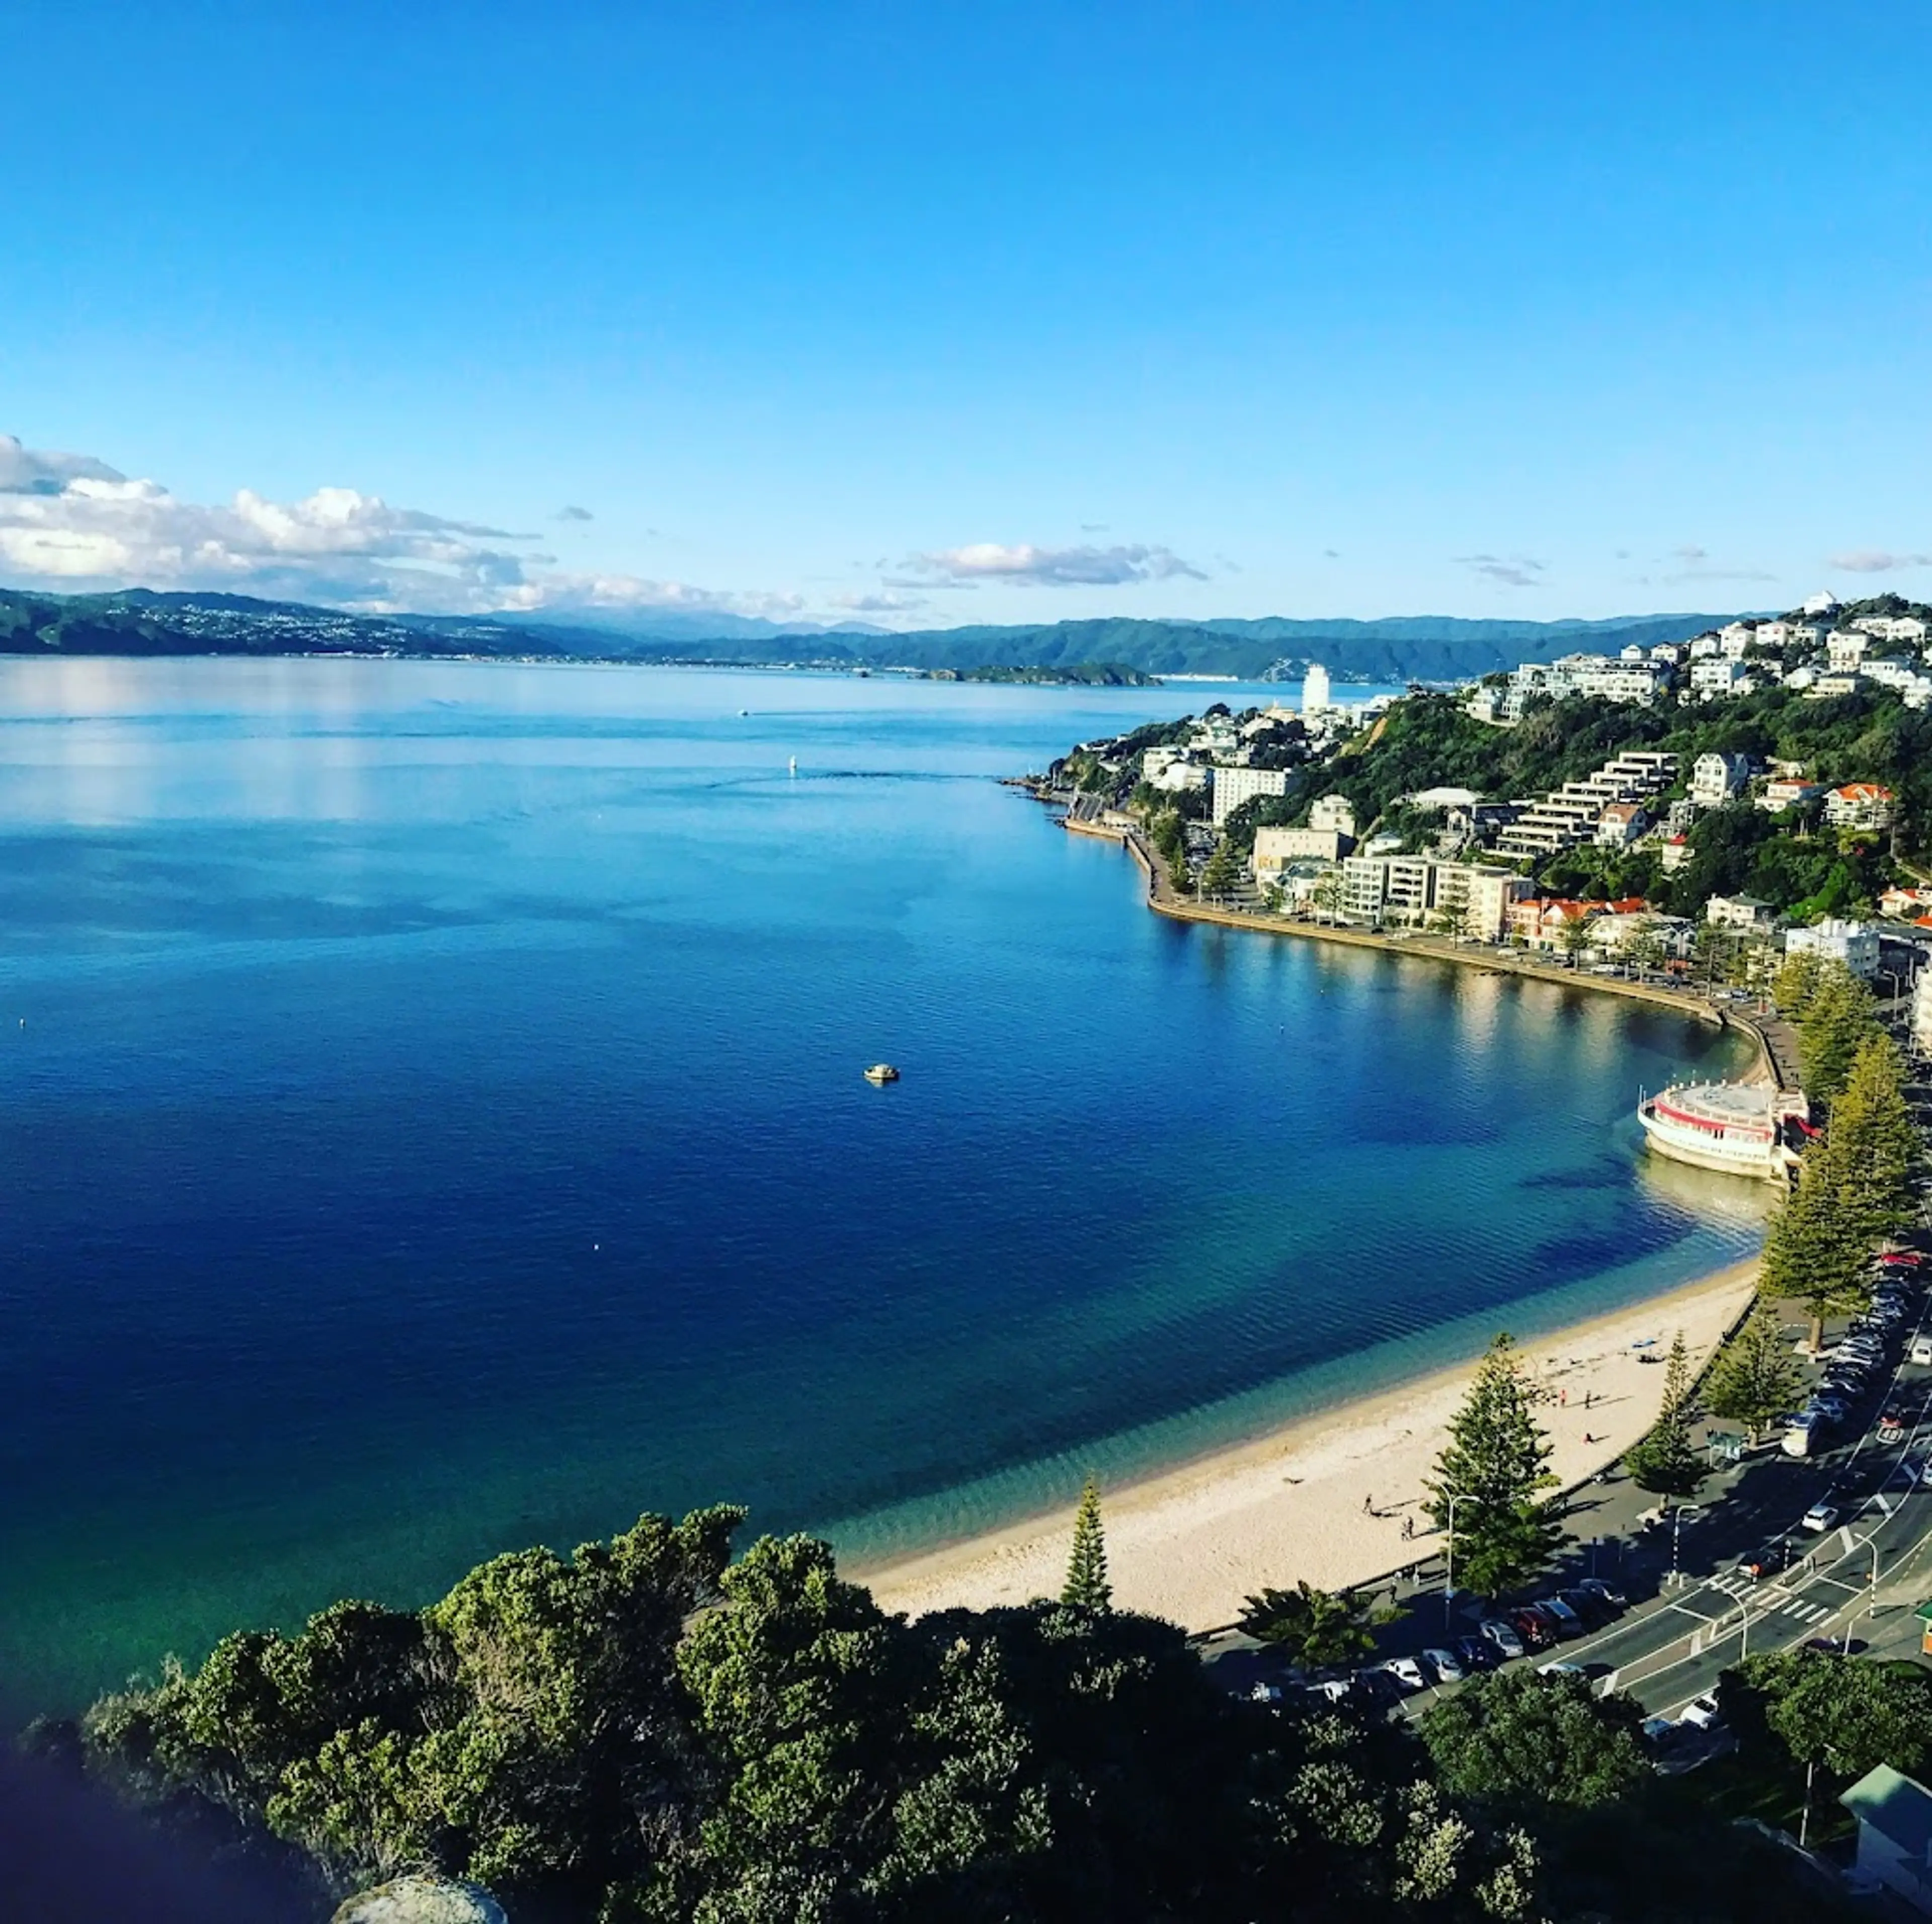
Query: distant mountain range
[[1400, 647]]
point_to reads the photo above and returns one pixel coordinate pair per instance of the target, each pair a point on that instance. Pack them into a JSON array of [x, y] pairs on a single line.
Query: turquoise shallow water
[[431, 1122]]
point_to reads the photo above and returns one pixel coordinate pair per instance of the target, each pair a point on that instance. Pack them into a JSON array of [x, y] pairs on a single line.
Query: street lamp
[[1455, 1497]]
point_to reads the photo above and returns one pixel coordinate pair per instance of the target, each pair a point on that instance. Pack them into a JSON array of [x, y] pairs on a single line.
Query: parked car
[[1477, 1653], [1537, 1631], [1833, 1409], [1331, 1690], [1803, 1436], [1822, 1516], [1376, 1688], [1592, 1611], [1614, 1599], [1556, 1667], [1921, 1349], [1702, 1713], [1892, 1425], [1447, 1667], [1407, 1672], [1567, 1623], [1505, 1637]]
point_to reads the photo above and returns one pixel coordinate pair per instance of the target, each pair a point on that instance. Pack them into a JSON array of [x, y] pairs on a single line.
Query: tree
[[1516, 1737], [1844, 1714], [1573, 936], [1317, 1629], [1795, 984], [1663, 1459], [1756, 1379], [1873, 1146], [1223, 870], [1837, 1020], [1814, 1251], [1488, 1480], [1087, 1587]]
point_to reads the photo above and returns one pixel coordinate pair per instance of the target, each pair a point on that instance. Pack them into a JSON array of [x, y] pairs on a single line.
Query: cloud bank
[[1509, 571], [71, 522]]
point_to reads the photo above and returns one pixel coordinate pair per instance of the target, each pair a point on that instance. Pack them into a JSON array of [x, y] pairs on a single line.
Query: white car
[[1701, 1713], [1822, 1516], [1407, 1672]]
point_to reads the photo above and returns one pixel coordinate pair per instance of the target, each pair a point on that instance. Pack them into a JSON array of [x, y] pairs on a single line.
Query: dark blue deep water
[[431, 1122]]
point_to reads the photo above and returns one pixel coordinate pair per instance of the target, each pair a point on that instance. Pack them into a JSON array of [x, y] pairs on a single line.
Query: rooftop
[[1896, 1806]]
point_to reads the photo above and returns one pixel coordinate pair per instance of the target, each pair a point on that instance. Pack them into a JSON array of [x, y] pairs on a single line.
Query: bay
[[431, 1122]]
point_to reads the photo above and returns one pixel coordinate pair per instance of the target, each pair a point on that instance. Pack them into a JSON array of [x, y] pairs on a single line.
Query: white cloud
[[884, 603], [1027, 566], [1878, 561], [44, 470], [71, 522]]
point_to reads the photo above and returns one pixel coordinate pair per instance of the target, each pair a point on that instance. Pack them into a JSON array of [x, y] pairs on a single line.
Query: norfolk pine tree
[[1814, 1252], [1087, 1587], [1837, 1018], [1663, 1460], [1495, 1468], [1756, 1379], [1873, 1146]]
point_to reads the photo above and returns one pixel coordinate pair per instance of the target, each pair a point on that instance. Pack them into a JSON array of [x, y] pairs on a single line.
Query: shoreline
[[1324, 1497], [1160, 898]]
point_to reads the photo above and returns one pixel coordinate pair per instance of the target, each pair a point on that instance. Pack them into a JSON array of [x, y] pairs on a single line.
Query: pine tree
[[1836, 1021], [1223, 872], [1488, 1481], [1795, 984], [1873, 1147], [1664, 1459], [1815, 1250], [1756, 1379], [1087, 1587]]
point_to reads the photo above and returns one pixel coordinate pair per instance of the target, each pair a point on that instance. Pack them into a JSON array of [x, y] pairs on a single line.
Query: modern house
[[1742, 911], [1335, 812], [1784, 792]]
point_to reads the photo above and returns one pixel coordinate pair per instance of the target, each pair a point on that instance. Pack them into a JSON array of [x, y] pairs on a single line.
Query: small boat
[[879, 1074]]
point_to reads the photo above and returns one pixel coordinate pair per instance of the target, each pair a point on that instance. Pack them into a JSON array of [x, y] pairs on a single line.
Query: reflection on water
[[1707, 1193]]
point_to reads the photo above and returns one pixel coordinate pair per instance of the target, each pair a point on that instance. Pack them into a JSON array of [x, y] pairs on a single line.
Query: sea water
[[431, 1121]]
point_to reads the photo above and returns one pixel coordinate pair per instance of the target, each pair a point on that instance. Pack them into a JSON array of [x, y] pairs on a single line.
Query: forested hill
[[1429, 647], [1425, 648]]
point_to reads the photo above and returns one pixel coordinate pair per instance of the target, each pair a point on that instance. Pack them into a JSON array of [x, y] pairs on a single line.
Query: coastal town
[[1678, 846]]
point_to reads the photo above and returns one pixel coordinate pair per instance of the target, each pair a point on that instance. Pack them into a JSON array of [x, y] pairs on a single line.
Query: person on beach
[[1368, 1506]]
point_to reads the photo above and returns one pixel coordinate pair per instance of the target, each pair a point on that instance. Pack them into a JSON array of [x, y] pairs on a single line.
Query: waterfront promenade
[[1777, 1043]]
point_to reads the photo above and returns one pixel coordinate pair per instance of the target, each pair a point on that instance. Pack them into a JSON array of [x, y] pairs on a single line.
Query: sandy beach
[[1325, 1498]]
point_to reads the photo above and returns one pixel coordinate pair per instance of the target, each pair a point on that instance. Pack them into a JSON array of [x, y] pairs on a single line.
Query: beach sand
[[1325, 1498]]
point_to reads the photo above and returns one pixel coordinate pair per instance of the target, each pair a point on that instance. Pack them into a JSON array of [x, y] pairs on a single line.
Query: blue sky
[[939, 313]]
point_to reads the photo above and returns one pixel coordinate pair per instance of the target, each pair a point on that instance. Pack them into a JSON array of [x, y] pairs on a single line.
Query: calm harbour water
[[431, 1122]]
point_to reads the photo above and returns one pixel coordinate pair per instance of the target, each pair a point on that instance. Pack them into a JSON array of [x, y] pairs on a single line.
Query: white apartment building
[[1314, 689], [1233, 787], [1909, 629], [1705, 646], [1411, 889], [1716, 778], [1845, 648], [1571, 814], [1855, 944], [1717, 676], [1630, 679], [1334, 812], [1734, 637]]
